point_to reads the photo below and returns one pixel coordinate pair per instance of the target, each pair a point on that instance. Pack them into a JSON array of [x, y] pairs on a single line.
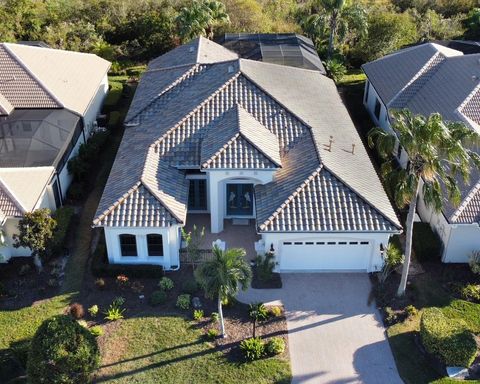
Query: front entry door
[[239, 199]]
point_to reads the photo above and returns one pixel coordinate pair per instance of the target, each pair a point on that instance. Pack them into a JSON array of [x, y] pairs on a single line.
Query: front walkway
[[235, 236], [335, 335]]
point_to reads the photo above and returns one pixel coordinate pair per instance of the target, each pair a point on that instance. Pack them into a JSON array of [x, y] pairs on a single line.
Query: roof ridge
[[167, 89], [119, 201], [463, 105], [221, 150], [476, 188], [12, 196], [34, 77], [172, 67], [290, 198], [421, 72]]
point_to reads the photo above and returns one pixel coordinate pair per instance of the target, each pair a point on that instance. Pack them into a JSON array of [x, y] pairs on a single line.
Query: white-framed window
[[128, 245]]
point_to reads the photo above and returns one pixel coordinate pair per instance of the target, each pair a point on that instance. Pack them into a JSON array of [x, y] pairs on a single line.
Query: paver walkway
[[335, 335]]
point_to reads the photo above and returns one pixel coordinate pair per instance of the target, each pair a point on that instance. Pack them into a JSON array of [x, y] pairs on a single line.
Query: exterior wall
[[369, 103], [95, 106], [64, 177], [216, 184], [376, 259], [9, 229], [463, 239], [171, 246]]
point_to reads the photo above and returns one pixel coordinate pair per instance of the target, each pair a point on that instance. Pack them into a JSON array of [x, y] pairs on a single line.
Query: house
[[49, 102], [424, 79], [245, 142]]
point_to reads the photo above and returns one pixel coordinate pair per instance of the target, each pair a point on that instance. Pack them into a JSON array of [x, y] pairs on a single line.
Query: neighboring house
[[425, 79], [49, 102], [243, 140], [275, 48]]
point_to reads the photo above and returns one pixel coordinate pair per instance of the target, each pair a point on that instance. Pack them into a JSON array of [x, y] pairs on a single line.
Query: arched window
[[155, 244], [128, 245]]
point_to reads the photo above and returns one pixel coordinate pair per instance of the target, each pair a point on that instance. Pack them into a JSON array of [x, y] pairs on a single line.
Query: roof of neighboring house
[[431, 78], [39, 77], [276, 48], [262, 105], [21, 189]]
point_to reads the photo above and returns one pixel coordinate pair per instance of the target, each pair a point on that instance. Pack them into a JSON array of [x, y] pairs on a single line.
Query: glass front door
[[239, 199]]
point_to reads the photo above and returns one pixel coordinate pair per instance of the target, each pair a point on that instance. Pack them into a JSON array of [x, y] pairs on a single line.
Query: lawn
[[172, 349], [413, 367]]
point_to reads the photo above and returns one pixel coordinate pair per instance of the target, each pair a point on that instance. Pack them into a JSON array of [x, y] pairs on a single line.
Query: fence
[[203, 256]]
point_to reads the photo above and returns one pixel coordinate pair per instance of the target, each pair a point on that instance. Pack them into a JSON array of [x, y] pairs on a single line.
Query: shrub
[[265, 265], [76, 191], [335, 69], [118, 301], [190, 286], [158, 298], [474, 262], [114, 93], [96, 331], [183, 301], [114, 313], [392, 258], [275, 311], [197, 314], [48, 360], [275, 346], [253, 348], [215, 317], [212, 333], [93, 310], [448, 339], [390, 316], [123, 281], [470, 292], [100, 283], [76, 311], [83, 323], [165, 283], [411, 311], [113, 119], [426, 243], [257, 311], [63, 217], [24, 269], [137, 287]]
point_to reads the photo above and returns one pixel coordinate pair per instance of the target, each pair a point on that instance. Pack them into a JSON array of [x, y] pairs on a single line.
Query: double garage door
[[323, 255]]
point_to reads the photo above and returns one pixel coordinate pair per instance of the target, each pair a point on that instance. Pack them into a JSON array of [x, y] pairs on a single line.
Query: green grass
[[352, 77], [170, 349], [411, 364], [114, 93]]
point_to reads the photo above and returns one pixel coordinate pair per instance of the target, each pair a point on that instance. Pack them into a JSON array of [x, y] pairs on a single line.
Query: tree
[[472, 24], [62, 351], [393, 258], [433, 26], [200, 18], [223, 276], [439, 155], [193, 240], [335, 18], [36, 230]]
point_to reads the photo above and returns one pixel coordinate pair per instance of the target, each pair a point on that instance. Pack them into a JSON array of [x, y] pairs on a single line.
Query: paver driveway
[[335, 335]]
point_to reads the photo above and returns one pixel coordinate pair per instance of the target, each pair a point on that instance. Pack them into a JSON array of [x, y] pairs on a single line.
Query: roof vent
[[475, 77], [191, 49], [328, 147], [230, 69]]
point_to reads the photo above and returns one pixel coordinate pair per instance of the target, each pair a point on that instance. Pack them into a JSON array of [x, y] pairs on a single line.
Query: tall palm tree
[[335, 19], [439, 156], [224, 276], [200, 18]]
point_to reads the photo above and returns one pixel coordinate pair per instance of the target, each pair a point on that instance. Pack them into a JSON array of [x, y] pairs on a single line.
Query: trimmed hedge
[[63, 216], [426, 243], [114, 94], [62, 351], [102, 268], [447, 339]]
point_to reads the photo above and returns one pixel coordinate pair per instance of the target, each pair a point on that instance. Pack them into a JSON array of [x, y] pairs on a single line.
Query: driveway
[[335, 335]]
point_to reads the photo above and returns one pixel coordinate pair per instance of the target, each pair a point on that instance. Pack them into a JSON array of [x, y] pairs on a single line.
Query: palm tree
[[337, 19], [200, 18], [224, 276], [438, 156]]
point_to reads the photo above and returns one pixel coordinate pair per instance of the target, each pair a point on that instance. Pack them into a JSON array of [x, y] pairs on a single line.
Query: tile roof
[[433, 79], [38, 77], [8, 206], [265, 105], [469, 210]]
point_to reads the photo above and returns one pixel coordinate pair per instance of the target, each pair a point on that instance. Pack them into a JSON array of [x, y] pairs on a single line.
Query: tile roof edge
[[454, 216], [12, 196], [461, 107], [35, 77], [116, 203], [160, 200], [290, 198], [417, 76], [221, 150]]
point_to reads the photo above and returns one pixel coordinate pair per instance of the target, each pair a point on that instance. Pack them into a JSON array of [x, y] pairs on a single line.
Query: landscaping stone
[[196, 303]]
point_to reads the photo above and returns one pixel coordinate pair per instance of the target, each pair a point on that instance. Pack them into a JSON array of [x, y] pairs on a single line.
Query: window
[[331, 243], [342, 242], [364, 242], [155, 245], [309, 243], [197, 195], [353, 243], [378, 108], [287, 243], [367, 88], [298, 243], [128, 245], [320, 243]]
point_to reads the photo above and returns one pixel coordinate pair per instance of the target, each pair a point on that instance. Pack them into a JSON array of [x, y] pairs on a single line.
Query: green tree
[[36, 230], [472, 24], [200, 18], [222, 277], [193, 240], [433, 26], [335, 19], [438, 155]]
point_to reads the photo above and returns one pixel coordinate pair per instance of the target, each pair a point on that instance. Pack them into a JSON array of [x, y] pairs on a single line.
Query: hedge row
[[102, 268], [447, 339]]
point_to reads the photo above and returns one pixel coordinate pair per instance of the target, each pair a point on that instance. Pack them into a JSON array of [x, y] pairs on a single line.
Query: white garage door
[[325, 255]]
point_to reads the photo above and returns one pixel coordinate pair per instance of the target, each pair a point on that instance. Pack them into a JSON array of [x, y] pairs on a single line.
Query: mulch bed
[[275, 282]]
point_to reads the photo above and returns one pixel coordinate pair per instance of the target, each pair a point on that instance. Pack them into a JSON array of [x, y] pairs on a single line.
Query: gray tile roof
[[8, 206], [296, 109], [448, 83]]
